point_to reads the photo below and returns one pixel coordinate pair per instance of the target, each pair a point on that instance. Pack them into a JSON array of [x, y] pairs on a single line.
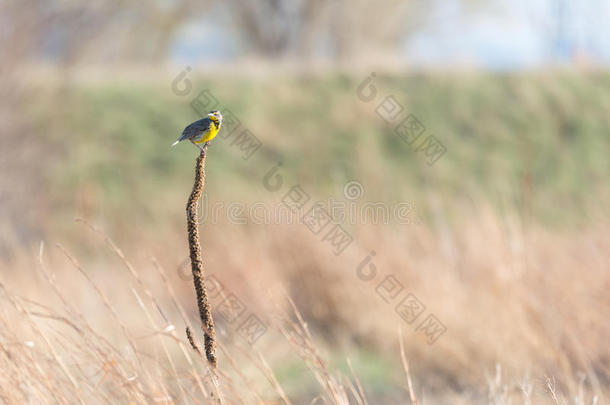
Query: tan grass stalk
[[360, 396], [36, 329], [126, 263], [405, 365], [182, 312], [205, 312], [145, 378]]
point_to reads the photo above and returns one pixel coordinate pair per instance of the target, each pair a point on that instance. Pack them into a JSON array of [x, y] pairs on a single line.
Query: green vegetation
[[536, 142]]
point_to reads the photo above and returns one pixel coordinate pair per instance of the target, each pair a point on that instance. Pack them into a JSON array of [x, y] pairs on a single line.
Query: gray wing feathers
[[194, 129]]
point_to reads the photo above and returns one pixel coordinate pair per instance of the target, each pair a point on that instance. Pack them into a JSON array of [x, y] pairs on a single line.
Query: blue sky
[[504, 35]]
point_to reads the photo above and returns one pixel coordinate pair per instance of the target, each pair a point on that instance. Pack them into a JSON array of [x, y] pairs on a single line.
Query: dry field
[[523, 323], [494, 292]]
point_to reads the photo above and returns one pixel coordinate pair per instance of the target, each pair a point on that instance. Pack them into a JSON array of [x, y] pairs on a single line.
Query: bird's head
[[215, 116]]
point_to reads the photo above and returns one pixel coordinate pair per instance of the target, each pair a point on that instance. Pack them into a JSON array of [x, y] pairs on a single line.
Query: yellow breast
[[211, 134]]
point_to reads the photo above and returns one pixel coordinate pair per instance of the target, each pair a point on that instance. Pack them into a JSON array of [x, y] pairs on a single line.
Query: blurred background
[[435, 167]]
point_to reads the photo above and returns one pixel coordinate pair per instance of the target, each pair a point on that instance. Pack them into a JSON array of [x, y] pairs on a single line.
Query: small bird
[[203, 131]]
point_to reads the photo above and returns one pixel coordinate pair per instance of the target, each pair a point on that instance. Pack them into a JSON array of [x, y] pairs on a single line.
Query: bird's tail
[[176, 143]]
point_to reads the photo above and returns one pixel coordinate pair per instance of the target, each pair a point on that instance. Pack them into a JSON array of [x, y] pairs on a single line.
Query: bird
[[201, 132]]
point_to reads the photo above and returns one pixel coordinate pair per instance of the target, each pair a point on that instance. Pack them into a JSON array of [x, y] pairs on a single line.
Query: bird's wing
[[195, 128]]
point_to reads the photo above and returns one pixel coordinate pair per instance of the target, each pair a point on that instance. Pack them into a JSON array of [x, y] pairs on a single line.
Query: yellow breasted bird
[[203, 131]]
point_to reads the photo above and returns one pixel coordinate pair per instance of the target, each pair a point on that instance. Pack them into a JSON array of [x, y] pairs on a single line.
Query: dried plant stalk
[[205, 312], [191, 339]]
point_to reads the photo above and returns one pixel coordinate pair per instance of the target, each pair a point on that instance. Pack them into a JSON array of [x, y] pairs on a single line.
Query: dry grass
[[58, 356], [525, 309]]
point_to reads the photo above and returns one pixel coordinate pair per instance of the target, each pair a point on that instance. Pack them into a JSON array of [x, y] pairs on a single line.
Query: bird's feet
[[203, 147]]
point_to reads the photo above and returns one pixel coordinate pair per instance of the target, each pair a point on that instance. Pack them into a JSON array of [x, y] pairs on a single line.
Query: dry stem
[[205, 313]]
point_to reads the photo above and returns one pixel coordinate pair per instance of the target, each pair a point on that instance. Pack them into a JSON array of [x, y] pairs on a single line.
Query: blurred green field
[[533, 143]]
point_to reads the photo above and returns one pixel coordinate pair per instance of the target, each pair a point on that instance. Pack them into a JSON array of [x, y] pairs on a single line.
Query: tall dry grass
[[525, 310]]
